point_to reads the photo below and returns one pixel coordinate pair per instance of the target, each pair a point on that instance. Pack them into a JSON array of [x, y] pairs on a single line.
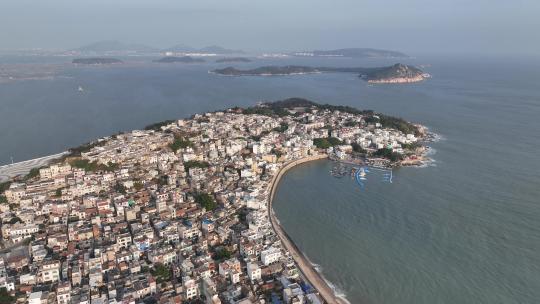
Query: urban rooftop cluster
[[178, 213]]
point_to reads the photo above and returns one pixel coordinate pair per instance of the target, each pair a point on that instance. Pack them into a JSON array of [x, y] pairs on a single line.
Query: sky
[[414, 26]]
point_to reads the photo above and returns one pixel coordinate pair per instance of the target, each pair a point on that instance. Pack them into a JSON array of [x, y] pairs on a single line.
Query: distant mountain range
[[213, 49], [118, 47], [353, 53], [113, 46]]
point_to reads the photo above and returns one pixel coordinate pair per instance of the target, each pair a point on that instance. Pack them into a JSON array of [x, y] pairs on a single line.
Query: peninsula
[[182, 59], [96, 60], [398, 73], [181, 211]]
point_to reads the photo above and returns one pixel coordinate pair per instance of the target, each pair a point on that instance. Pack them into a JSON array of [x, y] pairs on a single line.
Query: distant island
[[353, 53], [268, 71], [183, 59], [233, 59], [398, 73], [96, 60]]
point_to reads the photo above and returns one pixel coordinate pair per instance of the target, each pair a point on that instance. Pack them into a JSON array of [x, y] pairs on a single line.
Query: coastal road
[[21, 168], [307, 269]]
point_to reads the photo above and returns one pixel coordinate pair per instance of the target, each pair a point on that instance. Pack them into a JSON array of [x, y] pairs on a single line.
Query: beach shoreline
[[305, 266]]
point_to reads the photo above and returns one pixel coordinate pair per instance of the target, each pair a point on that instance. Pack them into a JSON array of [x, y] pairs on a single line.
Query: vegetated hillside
[[282, 107], [396, 71]]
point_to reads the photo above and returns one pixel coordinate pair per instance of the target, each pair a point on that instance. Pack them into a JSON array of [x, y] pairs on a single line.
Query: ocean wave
[[431, 151], [428, 162], [337, 291], [437, 137]]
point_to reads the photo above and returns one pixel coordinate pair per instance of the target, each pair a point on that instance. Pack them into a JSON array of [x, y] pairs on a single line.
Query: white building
[[191, 290], [270, 255], [254, 272]]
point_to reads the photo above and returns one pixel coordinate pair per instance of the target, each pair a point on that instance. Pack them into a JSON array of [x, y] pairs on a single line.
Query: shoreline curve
[[306, 268]]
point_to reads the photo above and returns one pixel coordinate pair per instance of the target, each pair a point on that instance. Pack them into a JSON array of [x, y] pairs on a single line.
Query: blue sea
[[464, 229]]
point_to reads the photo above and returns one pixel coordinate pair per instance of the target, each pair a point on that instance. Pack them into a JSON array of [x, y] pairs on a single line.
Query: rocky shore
[[398, 80]]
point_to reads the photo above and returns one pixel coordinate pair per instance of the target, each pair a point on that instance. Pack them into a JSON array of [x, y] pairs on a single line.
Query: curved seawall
[[307, 269]]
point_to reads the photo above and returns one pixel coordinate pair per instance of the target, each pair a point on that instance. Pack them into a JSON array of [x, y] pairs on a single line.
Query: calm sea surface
[[463, 230]]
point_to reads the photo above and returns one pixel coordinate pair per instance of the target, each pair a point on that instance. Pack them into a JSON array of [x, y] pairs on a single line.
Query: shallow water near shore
[[462, 230]]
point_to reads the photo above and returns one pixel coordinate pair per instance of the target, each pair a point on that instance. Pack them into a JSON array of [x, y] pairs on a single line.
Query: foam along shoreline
[[398, 80], [308, 270]]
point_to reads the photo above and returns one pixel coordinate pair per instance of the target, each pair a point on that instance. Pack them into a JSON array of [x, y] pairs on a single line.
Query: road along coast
[[305, 266], [7, 172]]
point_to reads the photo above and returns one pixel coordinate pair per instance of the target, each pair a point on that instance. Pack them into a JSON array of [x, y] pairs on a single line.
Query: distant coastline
[[352, 53], [233, 59], [182, 59], [398, 73], [96, 60]]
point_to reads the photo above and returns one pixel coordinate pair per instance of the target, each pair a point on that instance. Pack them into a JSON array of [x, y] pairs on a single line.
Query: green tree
[[93, 166], [411, 146], [33, 173], [222, 254], [5, 297], [4, 186], [282, 128], [206, 201], [325, 143], [15, 220], [120, 188], [195, 164], [157, 126], [388, 154], [358, 149], [138, 185], [180, 143], [161, 272]]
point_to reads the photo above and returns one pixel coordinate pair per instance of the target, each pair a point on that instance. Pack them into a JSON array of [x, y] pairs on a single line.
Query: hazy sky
[[496, 26]]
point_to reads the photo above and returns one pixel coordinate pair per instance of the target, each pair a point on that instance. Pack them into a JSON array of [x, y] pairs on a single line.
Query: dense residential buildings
[[174, 214]]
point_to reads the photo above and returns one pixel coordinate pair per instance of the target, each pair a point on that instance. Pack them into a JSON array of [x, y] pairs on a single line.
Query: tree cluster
[[325, 143], [206, 201]]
